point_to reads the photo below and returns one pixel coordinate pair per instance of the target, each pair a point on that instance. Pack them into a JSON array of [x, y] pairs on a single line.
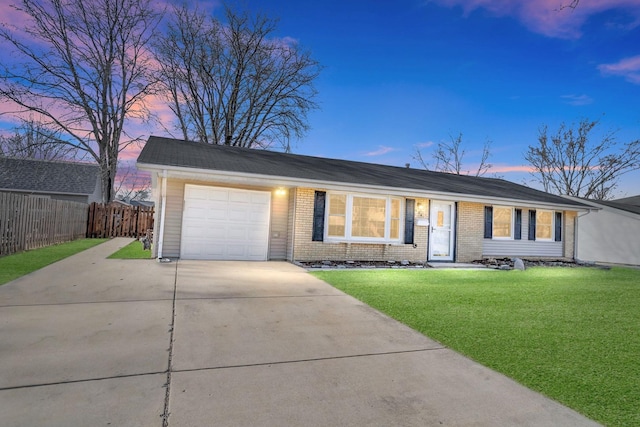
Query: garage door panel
[[239, 197], [225, 224], [196, 193], [239, 213], [217, 213]]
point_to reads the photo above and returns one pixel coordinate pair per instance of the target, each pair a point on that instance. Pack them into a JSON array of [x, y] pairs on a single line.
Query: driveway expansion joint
[[84, 302], [166, 413], [82, 380], [318, 359], [256, 297]]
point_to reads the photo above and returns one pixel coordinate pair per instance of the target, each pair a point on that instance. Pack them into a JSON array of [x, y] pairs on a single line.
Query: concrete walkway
[[92, 341]]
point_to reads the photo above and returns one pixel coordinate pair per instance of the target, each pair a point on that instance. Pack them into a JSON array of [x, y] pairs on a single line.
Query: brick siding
[[568, 234], [470, 231], [307, 250]]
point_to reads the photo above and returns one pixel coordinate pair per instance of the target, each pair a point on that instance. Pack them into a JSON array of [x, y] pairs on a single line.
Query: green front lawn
[[572, 334], [17, 265], [134, 250]]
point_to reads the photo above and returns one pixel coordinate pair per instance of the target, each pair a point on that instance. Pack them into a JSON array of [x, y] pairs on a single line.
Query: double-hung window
[[544, 225], [502, 222], [363, 218]]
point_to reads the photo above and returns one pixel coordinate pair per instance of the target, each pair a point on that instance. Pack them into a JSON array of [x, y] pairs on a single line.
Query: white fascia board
[[239, 178]]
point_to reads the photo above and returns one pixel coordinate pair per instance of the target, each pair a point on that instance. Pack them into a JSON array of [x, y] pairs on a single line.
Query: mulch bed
[[495, 263]]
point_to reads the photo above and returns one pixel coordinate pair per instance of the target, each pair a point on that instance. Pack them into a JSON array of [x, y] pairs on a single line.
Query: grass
[[133, 250], [569, 333], [17, 265]]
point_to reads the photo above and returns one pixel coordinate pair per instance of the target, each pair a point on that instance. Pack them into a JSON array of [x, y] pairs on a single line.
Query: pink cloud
[[549, 17], [514, 169], [629, 68]]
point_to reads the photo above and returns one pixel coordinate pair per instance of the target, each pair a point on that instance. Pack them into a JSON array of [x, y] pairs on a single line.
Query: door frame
[[452, 235]]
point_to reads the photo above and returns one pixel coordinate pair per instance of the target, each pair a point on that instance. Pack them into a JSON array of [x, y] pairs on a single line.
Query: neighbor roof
[[633, 200], [42, 176], [616, 204], [165, 152]]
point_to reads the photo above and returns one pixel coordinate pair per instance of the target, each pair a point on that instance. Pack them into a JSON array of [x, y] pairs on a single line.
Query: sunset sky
[[406, 74]]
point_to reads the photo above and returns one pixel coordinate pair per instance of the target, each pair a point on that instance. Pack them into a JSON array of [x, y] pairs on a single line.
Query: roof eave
[[60, 193], [283, 181]]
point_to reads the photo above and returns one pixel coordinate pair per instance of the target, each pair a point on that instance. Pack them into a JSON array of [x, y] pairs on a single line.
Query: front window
[[544, 225], [502, 222], [355, 217]]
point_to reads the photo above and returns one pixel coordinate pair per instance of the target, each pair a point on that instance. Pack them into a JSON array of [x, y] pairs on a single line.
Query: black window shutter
[[558, 226], [518, 225], [408, 221], [318, 216], [488, 222], [532, 225]]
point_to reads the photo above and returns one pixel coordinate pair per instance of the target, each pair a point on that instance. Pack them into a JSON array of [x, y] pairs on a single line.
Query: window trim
[[493, 222], [349, 219]]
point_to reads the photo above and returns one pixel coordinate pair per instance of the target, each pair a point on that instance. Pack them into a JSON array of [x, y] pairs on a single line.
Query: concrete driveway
[[92, 341]]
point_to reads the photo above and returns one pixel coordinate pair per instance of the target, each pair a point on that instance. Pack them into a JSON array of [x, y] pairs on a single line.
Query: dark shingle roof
[[171, 152], [616, 204], [43, 176], [633, 200]]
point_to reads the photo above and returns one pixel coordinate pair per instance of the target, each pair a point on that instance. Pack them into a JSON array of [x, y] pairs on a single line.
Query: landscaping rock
[[518, 264], [505, 267]]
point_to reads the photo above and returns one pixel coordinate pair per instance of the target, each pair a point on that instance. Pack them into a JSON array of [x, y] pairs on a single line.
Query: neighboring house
[[633, 200], [142, 203], [221, 202], [610, 233], [79, 182]]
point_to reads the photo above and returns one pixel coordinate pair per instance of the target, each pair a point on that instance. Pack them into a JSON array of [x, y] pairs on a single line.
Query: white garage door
[[225, 224]]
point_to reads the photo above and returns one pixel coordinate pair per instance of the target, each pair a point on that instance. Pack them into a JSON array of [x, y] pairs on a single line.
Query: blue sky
[[408, 73]]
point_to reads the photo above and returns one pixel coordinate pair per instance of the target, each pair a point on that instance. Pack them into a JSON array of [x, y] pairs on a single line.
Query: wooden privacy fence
[[118, 220], [28, 222]]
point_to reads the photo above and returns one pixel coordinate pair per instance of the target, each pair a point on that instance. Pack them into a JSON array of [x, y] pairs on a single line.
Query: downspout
[[163, 198]]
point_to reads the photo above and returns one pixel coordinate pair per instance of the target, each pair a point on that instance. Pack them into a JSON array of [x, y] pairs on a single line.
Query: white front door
[[441, 230]]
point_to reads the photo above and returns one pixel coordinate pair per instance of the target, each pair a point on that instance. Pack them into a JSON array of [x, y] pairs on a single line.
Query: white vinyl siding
[[291, 228], [279, 226], [523, 247], [173, 219]]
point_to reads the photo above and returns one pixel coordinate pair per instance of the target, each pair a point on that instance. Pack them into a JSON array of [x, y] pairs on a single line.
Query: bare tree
[[569, 163], [233, 82], [449, 157], [571, 5], [130, 184], [84, 72], [35, 141]]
